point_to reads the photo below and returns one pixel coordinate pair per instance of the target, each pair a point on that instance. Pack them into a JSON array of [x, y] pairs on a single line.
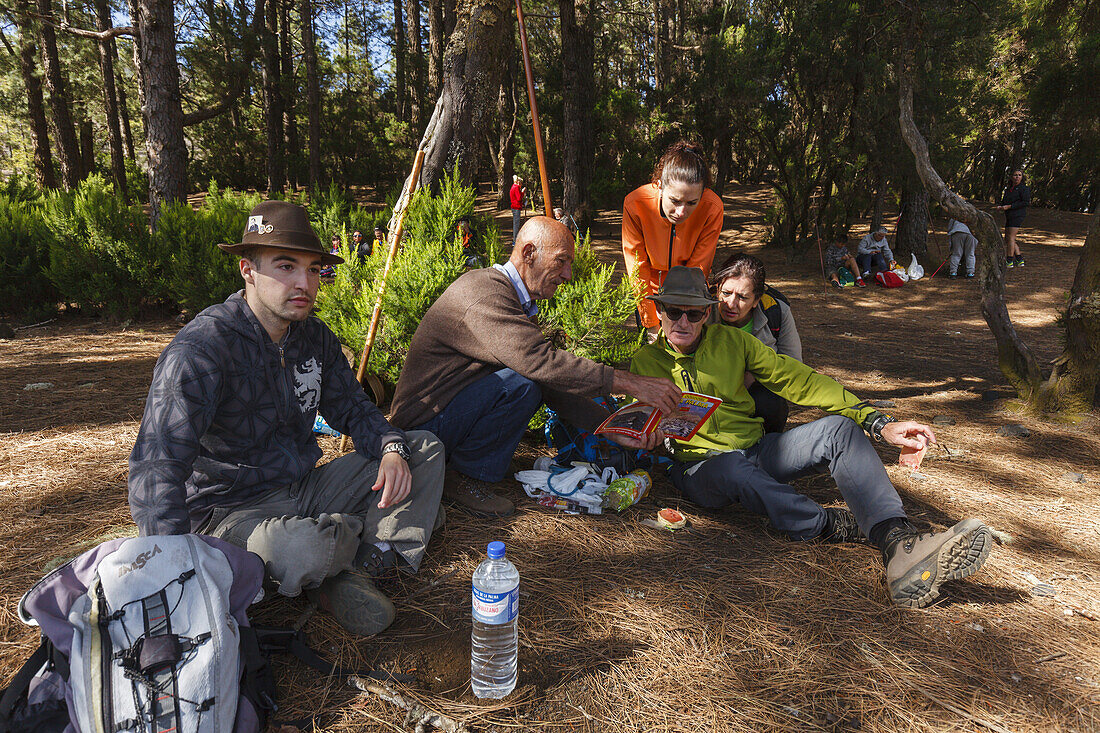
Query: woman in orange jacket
[[673, 220]]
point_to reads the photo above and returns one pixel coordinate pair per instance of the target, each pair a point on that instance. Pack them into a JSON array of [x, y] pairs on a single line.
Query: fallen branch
[[416, 714]]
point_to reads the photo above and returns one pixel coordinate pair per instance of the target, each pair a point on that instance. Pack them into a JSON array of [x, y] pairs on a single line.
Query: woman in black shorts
[[1014, 203]]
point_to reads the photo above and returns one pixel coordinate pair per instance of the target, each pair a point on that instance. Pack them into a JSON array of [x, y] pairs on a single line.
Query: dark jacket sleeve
[[345, 406], [181, 405]]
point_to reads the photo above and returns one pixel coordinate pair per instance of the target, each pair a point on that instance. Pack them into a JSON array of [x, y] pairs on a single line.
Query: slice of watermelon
[[671, 519]]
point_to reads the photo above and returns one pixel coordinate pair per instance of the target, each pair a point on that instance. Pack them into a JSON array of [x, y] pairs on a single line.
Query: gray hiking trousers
[[757, 477], [312, 529], [963, 245]]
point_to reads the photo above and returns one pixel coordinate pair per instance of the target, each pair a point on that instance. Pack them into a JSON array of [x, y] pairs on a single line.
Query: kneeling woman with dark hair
[[675, 219], [745, 302]]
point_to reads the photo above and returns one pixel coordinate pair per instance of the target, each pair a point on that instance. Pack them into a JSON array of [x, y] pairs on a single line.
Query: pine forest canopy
[[801, 94]]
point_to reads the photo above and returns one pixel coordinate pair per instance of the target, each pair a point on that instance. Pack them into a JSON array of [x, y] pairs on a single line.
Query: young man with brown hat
[[731, 460], [226, 446]]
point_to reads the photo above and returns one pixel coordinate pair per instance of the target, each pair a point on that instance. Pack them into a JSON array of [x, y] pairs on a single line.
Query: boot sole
[[357, 610], [959, 557]]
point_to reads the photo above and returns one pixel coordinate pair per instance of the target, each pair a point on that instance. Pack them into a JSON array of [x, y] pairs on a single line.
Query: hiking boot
[[1011, 262], [375, 562], [917, 563], [470, 495], [860, 283], [952, 275], [1019, 260], [836, 284], [841, 527], [969, 276], [358, 606]]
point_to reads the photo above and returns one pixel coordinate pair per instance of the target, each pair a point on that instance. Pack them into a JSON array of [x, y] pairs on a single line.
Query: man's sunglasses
[[675, 314]]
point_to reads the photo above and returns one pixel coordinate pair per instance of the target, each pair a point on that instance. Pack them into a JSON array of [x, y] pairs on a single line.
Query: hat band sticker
[[256, 224]]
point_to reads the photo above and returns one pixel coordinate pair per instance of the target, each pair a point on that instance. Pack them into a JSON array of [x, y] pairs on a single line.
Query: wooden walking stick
[[397, 229], [539, 153]]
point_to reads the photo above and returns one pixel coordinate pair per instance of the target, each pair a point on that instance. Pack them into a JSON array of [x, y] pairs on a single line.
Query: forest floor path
[[725, 627]]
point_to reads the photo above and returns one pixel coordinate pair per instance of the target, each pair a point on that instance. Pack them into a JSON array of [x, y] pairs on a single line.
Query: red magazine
[[639, 419]]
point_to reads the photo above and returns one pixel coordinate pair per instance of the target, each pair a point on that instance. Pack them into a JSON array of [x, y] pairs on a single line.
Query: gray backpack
[[147, 634]]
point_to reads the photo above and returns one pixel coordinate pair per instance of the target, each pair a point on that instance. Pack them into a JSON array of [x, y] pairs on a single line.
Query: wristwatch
[[878, 424], [400, 448]]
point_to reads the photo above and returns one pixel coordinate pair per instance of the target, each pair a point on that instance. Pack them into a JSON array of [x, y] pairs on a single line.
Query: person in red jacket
[[515, 196], [675, 219]]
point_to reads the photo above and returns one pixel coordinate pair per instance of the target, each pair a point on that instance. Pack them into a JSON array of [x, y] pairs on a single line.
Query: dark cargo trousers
[[757, 477], [312, 529]]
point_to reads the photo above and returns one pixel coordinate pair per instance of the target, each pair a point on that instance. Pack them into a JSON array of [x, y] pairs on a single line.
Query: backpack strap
[[773, 313], [20, 684], [273, 639]]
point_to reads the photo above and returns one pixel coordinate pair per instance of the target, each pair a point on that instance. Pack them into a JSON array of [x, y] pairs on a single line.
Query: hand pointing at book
[[656, 391]]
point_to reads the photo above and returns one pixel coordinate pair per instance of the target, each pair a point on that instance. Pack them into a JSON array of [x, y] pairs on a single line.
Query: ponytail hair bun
[[683, 162]]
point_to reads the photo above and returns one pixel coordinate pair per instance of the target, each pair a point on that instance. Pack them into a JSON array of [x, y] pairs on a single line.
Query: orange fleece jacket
[[645, 241]]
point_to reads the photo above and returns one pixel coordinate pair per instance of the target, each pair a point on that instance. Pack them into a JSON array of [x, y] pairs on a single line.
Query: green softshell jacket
[[717, 368]]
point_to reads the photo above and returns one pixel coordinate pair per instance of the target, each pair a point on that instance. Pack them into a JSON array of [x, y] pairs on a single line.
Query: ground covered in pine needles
[[723, 627]]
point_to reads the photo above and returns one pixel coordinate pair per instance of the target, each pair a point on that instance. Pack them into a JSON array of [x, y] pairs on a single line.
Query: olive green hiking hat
[[684, 286], [282, 225]]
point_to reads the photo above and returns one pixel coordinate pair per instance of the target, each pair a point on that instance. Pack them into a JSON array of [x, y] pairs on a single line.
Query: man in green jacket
[[731, 460]]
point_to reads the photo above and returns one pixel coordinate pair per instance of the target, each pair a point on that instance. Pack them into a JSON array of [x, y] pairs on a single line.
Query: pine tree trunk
[[124, 117], [399, 59], [912, 233], [415, 62], [435, 47], [879, 205], [273, 101], [289, 94], [107, 55], [506, 113], [161, 107], [450, 20], [87, 146], [64, 132], [1015, 359], [471, 84], [578, 98], [36, 109], [313, 94]]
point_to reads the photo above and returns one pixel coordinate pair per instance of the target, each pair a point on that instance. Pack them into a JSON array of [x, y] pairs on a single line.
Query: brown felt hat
[[684, 286], [282, 225]]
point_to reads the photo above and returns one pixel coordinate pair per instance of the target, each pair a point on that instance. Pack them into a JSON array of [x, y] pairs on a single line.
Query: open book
[[638, 419]]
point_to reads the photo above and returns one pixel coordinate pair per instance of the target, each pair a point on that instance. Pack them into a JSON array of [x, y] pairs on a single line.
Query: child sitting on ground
[[838, 257]]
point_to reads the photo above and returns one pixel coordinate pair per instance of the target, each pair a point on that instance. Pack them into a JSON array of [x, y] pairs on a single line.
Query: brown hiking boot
[[918, 563], [472, 496], [358, 606]]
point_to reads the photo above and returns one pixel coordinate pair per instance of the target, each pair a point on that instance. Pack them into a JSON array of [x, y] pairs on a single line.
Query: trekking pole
[[539, 153], [397, 229]]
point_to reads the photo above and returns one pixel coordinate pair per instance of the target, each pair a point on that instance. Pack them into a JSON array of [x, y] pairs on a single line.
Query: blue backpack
[[573, 444]]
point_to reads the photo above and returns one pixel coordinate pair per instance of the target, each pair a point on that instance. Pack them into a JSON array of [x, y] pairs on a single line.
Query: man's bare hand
[[657, 391], [908, 434], [648, 442], [394, 479]]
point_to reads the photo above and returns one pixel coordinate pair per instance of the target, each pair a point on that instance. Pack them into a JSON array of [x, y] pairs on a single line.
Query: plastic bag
[[916, 272], [900, 272]]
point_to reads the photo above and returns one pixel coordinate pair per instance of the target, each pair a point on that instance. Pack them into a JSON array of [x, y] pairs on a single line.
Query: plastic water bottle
[[494, 643]]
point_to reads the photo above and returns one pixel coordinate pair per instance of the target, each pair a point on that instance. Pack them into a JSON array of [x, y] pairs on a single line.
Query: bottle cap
[[496, 550]]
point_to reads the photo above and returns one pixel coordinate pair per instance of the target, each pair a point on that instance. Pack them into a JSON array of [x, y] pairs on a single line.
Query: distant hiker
[[466, 236], [334, 249], [963, 245], [837, 256], [566, 219], [731, 460], [745, 302], [1014, 202], [379, 242], [479, 366], [874, 253], [515, 197], [226, 445], [675, 219], [362, 249]]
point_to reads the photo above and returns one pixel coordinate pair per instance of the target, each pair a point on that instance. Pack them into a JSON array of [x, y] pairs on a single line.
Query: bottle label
[[496, 608]]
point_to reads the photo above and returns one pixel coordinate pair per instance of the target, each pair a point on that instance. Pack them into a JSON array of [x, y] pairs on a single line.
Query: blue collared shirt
[[525, 300]]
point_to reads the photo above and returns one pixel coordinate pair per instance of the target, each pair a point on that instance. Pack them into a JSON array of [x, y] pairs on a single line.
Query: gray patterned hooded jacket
[[230, 416]]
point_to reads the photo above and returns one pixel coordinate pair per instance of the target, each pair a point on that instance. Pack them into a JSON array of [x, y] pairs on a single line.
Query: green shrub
[[196, 273], [101, 256], [587, 315], [24, 256]]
